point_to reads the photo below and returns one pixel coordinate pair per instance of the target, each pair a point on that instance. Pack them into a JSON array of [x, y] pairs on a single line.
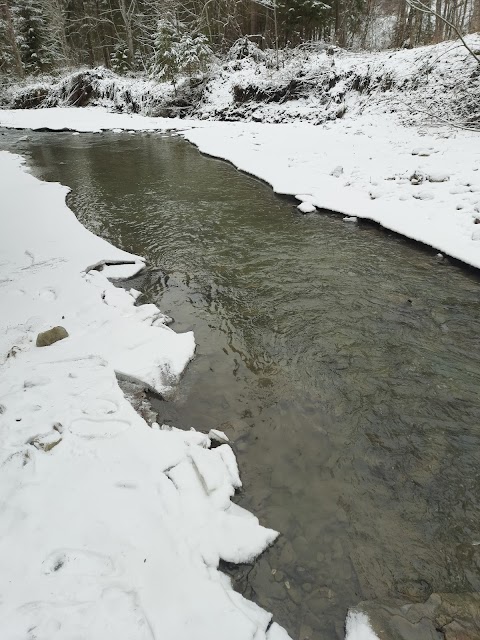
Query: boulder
[[46, 338], [443, 616]]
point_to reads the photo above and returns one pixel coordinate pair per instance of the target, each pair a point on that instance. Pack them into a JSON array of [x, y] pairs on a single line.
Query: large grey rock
[[46, 338], [444, 616]]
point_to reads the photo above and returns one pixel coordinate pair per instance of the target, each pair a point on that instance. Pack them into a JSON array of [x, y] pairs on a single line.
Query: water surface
[[342, 361]]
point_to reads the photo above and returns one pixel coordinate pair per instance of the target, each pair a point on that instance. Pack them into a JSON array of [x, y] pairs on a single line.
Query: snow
[[380, 179], [358, 627], [277, 633], [110, 529], [319, 84], [299, 158], [140, 559], [89, 119], [306, 207], [218, 436]]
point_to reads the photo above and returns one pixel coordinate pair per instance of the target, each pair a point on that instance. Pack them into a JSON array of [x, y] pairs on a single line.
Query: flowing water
[[341, 360]]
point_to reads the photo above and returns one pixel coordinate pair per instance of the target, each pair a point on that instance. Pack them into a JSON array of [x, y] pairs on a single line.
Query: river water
[[341, 360]]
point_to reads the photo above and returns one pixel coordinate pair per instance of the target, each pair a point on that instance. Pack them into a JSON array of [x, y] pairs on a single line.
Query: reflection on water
[[342, 361]]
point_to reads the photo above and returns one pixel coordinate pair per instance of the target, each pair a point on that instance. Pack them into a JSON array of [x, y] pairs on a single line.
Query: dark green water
[[342, 361]]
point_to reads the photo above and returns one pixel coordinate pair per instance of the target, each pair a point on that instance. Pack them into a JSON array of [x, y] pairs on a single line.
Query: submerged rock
[[444, 616], [46, 338]]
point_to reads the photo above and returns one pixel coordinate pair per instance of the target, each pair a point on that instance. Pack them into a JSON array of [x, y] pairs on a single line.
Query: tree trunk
[[102, 37], [438, 33], [340, 23], [253, 18], [399, 38], [409, 27], [5, 11], [475, 21], [127, 21]]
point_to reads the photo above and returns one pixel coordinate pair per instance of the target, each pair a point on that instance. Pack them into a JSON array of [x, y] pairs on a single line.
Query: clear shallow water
[[341, 360]]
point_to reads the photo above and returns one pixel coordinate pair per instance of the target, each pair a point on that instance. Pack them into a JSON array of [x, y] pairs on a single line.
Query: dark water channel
[[342, 361]]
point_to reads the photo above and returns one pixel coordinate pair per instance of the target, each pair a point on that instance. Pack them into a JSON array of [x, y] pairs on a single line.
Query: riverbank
[[112, 528], [314, 82], [423, 183]]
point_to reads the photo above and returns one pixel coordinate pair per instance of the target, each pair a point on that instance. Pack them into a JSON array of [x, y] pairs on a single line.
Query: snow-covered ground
[[423, 183], [110, 528]]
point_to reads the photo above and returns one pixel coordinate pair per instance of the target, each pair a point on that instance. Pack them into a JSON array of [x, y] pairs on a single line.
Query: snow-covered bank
[[421, 183], [425, 187], [314, 83], [318, 84], [110, 529]]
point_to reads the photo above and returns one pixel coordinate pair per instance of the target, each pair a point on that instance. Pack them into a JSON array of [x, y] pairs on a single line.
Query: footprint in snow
[[36, 381], [48, 295], [78, 562], [99, 408], [91, 429]]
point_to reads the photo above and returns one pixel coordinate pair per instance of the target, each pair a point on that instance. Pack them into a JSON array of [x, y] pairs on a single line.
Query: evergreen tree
[[304, 19], [32, 37], [6, 57], [177, 51], [119, 58]]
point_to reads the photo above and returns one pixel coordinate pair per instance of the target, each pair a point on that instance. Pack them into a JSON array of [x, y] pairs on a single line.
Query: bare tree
[[421, 7]]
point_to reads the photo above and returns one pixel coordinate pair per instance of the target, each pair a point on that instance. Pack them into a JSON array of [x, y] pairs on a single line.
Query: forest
[[44, 36]]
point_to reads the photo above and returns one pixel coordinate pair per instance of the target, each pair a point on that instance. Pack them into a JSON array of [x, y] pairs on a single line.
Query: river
[[341, 360]]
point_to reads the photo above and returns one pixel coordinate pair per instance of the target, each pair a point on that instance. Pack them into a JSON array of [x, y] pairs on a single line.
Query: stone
[[415, 590], [287, 555], [443, 616], [45, 442], [46, 338], [337, 172], [438, 176], [301, 547], [294, 595], [417, 177], [306, 632], [420, 151], [276, 590]]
